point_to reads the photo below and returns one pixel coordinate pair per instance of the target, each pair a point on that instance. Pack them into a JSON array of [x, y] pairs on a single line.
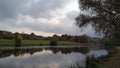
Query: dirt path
[[113, 62]]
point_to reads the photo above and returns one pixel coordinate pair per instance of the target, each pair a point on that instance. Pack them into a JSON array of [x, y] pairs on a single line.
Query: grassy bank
[[112, 60], [8, 42]]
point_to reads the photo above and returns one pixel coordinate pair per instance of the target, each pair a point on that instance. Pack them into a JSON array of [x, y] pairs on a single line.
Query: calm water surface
[[47, 57]]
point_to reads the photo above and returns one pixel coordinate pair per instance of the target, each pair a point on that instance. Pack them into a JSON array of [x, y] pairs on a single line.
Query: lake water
[[47, 57]]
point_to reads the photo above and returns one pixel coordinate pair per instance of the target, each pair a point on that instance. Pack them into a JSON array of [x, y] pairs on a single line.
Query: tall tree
[[103, 15]]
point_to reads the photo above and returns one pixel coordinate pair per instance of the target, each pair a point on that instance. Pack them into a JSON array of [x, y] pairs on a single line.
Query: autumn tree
[[103, 15], [18, 39], [32, 34]]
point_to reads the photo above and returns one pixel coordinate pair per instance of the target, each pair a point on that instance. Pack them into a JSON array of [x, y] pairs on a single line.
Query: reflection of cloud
[[97, 53], [43, 60], [43, 52], [51, 65]]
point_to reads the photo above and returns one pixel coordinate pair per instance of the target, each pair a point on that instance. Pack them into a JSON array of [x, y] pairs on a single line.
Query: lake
[[46, 56]]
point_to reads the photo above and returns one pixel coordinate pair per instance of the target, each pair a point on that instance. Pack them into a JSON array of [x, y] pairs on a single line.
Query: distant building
[[6, 34]]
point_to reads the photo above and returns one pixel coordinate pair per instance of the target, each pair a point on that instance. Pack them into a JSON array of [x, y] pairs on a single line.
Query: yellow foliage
[[20, 36]]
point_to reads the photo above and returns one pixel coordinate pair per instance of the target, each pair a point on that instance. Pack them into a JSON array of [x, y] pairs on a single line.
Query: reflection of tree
[[18, 39], [21, 51], [5, 53], [83, 50], [17, 51]]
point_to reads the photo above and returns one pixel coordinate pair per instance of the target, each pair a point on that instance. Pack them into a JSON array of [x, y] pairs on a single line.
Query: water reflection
[[50, 57], [21, 51]]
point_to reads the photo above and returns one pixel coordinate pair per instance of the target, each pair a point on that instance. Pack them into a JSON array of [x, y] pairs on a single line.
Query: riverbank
[[10, 42], [111, 60], [114, 60]]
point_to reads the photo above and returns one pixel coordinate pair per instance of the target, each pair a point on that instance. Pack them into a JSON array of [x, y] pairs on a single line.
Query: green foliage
[[118, 48], [115, 50], [92, 62], [103, 15]]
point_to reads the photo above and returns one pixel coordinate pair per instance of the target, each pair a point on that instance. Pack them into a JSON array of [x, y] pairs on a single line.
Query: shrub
[[18, 39], [53, 42], [92, 62]]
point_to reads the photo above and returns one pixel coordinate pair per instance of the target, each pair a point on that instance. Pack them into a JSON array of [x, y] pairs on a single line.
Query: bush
[[92, 62], [53, 42]]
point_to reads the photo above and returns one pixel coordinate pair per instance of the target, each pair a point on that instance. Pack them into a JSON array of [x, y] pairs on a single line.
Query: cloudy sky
[[43, 17]]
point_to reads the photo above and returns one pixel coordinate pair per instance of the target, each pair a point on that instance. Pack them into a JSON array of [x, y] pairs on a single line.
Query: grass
[[111, 60], [40, 42], [114, 60], [118, 48], [66, 43], [6, 42]]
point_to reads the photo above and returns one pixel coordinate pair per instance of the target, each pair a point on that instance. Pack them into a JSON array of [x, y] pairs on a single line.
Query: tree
[[56, 37], [18, 39], [84, 39], [103, 15], [32, 34]]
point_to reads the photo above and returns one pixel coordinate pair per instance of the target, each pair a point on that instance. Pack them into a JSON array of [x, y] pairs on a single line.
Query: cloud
[[72, 15], [11, 9], [45, 8], [34, 8], [56, 16], [60, 26]]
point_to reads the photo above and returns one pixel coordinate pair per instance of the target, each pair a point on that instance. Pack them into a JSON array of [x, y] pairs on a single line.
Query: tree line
[[32, 36]]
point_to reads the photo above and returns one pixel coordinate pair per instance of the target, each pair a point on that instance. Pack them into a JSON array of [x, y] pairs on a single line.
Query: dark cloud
[[11, 12], [45, 8], [72, 15], [33, 8], [11, 8], [66, 26]]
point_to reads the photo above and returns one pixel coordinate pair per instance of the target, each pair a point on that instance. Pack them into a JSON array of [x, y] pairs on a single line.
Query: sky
[[43, 17]]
